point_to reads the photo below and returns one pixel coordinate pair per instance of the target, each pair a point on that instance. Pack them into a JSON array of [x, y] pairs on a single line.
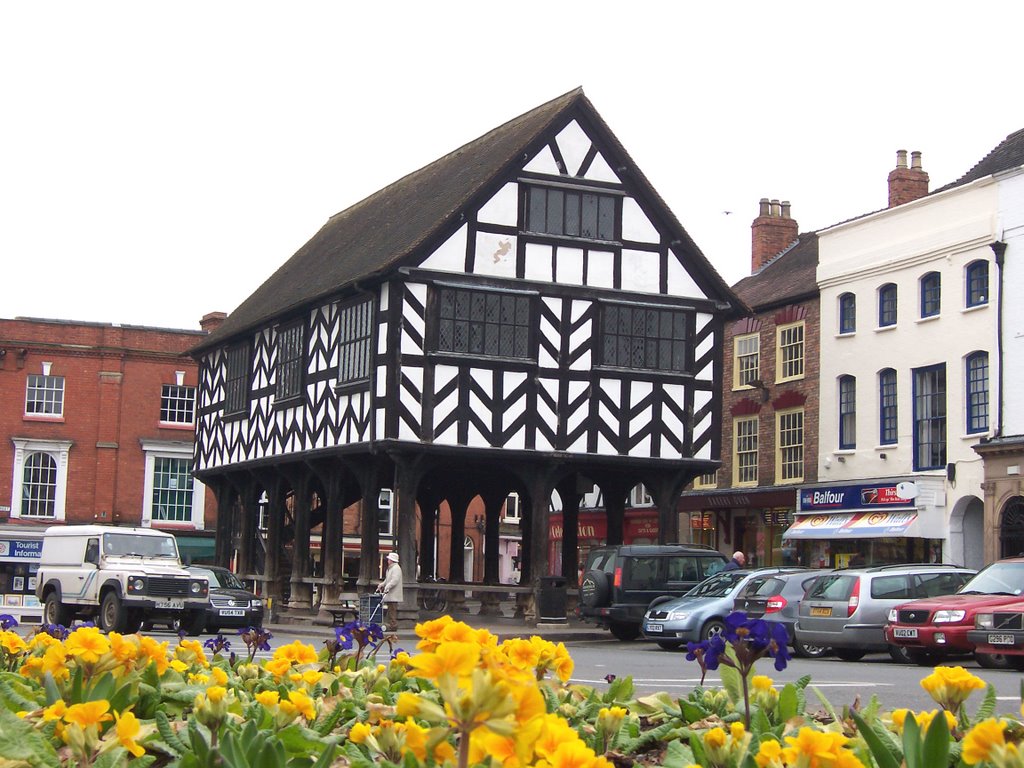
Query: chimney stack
[[772, 231], [212, 321], [906, 184]]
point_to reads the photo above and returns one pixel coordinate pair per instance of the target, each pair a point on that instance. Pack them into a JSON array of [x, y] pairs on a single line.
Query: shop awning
[[856, 525]]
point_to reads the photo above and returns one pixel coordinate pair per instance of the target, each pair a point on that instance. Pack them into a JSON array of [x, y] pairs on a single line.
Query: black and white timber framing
[[523, 314]]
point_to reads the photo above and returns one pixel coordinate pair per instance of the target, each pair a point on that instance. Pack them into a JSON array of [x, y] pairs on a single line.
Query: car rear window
[[762, 586], [601, 561], [834, 586], [683, 568], [895, 587], [642, 572]]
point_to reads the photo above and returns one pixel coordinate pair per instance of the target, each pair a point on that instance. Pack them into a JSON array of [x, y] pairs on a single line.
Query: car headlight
[[985, 621], [678, 615], [198, 587], [893, 615], [257, 603], [947, 617], [136, 584]]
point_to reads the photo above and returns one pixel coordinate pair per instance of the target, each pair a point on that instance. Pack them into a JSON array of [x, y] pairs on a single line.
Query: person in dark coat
[[737, 562]]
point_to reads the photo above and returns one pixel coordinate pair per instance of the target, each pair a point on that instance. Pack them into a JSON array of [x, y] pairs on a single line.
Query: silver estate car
[[701, 612]]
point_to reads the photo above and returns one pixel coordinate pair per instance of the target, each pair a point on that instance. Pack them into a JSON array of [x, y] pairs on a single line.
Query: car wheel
[[55, 612], [133, 621], [594, 589], [901, 654], [993, 660], [621, 631], [112, 613], [923, 658], [213, 630], [808, 651], [711, 628], [670, 645], [191, 623], [849, 654]]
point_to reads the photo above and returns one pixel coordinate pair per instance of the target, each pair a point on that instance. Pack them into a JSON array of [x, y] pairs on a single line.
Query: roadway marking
[[679, 682]]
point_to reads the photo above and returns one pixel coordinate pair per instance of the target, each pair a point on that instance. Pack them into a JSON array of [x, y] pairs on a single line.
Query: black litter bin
[[551, 603]]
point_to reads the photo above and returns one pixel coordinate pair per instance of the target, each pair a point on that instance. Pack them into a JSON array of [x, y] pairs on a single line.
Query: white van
[[120, 576]]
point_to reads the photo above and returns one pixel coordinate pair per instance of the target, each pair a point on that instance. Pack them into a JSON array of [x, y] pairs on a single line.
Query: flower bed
[[80, 697]]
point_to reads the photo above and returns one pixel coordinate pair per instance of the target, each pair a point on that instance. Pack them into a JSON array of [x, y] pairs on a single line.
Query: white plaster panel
[[706, 343], [516, 440], [577, 417], [701, 398], [600, 171], [635, 224], [574, 144], [515, 408], [538, 262], [569, 266], [640, 271], [380, 377], [603, 446], [503, 208], [385, 296], [443, 408], [642, 448], [700, 430], [495, 255], [474, 437], [680, 282], [601, 269], [543, 162], [578, 338], [450, 256]]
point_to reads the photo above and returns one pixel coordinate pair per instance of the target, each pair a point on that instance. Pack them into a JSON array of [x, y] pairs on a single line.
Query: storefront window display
[[19, 564]]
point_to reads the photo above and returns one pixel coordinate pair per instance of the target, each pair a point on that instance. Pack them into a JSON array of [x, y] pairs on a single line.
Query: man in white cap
[[391, 589]]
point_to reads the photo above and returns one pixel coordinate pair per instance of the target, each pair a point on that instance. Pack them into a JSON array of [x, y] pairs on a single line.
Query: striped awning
[[856, 525]]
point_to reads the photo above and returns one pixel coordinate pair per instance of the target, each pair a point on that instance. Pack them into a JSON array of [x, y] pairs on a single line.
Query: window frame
[[978, 399], [386, 512], [797, 348], [677, 347], [59, 452], [708, 480], [888, 407], [155, 450], [888, 305], [738, 369], [752, 449], [930, 287], [241, 379], [290, 364], [357, 332], [973, 274], [440, 346], [607, 202], [847, 313], [42, 401], [846, 389], [781, 462], [172, 396], [929, 422]]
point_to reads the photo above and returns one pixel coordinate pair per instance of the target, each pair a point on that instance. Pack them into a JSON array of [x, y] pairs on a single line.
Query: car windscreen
[[997, 579], [222, 579], [137, 545], [719, 585]]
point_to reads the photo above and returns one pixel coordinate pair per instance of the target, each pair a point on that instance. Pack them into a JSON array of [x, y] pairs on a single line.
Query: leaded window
[[571, 213], [236, 380], [977, 392], [355, 343], [172, 490], [976, 277], [930, 417], [44, 395], [39, 485], [291, 361], [847, 412], [931, 294], [485, 323], [747, 359], [790, 352], [790, 459], [644, 338], [177, 404], [887, 425], [847, 313], [745, 450], [887, 305]]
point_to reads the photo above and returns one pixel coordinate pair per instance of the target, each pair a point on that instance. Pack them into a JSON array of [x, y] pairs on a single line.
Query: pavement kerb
[[552, 633]]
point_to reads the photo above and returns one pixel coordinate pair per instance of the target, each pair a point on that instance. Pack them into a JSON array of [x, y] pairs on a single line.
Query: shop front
[[843, 526], [20, 550], [639, 526], [752, 520]]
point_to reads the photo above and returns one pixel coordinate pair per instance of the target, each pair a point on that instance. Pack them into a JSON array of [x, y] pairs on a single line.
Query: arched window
[[931, 294], [847, 412], [39, 486], [976, 283], [887, 426], [977, 392], [887, 305], [1011, 528], [847, 313]]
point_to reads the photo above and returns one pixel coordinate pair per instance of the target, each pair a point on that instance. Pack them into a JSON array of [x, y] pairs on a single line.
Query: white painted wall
[[1011, 220]]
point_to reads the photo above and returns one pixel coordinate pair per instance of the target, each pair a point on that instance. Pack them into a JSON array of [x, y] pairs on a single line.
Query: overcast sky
[[158, 161]]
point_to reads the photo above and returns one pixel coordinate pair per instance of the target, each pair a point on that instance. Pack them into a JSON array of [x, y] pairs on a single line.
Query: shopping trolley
[[370, 609]]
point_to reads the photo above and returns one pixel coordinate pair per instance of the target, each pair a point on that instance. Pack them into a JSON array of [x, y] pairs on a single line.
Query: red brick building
[[769, 398], [97, 423]]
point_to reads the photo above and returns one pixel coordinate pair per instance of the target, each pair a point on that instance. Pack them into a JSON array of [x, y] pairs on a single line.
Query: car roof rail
[[894, 566], [695, 546]]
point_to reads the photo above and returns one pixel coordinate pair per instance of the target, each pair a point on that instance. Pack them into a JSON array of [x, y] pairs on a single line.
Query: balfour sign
[[851, 497]]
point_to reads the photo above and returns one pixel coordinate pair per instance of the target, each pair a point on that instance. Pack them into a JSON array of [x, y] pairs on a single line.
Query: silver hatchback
[[848, 609]]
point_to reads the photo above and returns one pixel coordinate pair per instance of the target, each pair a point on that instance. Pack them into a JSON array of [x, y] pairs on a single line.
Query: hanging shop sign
[[21, 549], [838, 497]]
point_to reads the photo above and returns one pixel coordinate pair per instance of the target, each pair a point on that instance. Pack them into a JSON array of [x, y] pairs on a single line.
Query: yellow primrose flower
[[87, 644], [297, 652], [88, 713], [431, 632], [572, 754], [450, 658], [278, 667], [407, 704], [813, 747], [198, 678], [54, 661], [950, 686], [42, 640], [178, 665], [150, 651], [924, 719], [268, 698], [985, 742], [191, 650], [311, 677], [458, 632], [219, 676], [715, 738], [12, 642], [769, 755], [55, 711], [762, 683], [359, 733], [555, 730], [124, 649], [521, 653], [302, 704], [611, 717], [127, 729]]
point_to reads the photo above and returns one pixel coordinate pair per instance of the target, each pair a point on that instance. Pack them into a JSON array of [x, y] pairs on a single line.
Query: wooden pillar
[[369, 543], [490, 604], [272, 563], [301, 592], [458, 504], [570, 496], [615, 492], [331, 542], [541, 485], [249, 527], [666, 490], [407, 476], [226, 522], [428, 501]]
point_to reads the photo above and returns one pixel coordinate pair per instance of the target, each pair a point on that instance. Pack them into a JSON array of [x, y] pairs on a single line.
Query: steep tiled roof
[[391, 226], [1008, 154], [790, 276]]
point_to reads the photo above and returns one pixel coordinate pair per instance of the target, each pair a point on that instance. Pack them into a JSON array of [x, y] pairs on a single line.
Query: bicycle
[[433, 599]]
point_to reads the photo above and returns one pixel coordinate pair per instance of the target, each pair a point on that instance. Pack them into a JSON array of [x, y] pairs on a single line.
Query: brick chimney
[[772, 231], [906, 184], [212, 321]]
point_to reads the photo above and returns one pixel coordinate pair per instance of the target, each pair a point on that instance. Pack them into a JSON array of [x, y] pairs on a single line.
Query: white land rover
[[121, 576]]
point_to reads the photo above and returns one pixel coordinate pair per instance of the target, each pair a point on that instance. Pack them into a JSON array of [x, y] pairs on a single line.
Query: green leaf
[[103, 689], [327, 755], [988, 705], [936, 742], [827, 704], [883, 756], [788, 702], [112, 758], [678, 755], [692, 713], [50, 686], [20, 741], [168, 734], [912, 742], [732, 681]]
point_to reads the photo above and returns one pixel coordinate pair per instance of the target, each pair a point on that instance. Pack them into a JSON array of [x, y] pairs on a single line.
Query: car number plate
[[231, 612], [816, 611], [172, 604], [655, 628], [1000, 639], [910, 634]]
